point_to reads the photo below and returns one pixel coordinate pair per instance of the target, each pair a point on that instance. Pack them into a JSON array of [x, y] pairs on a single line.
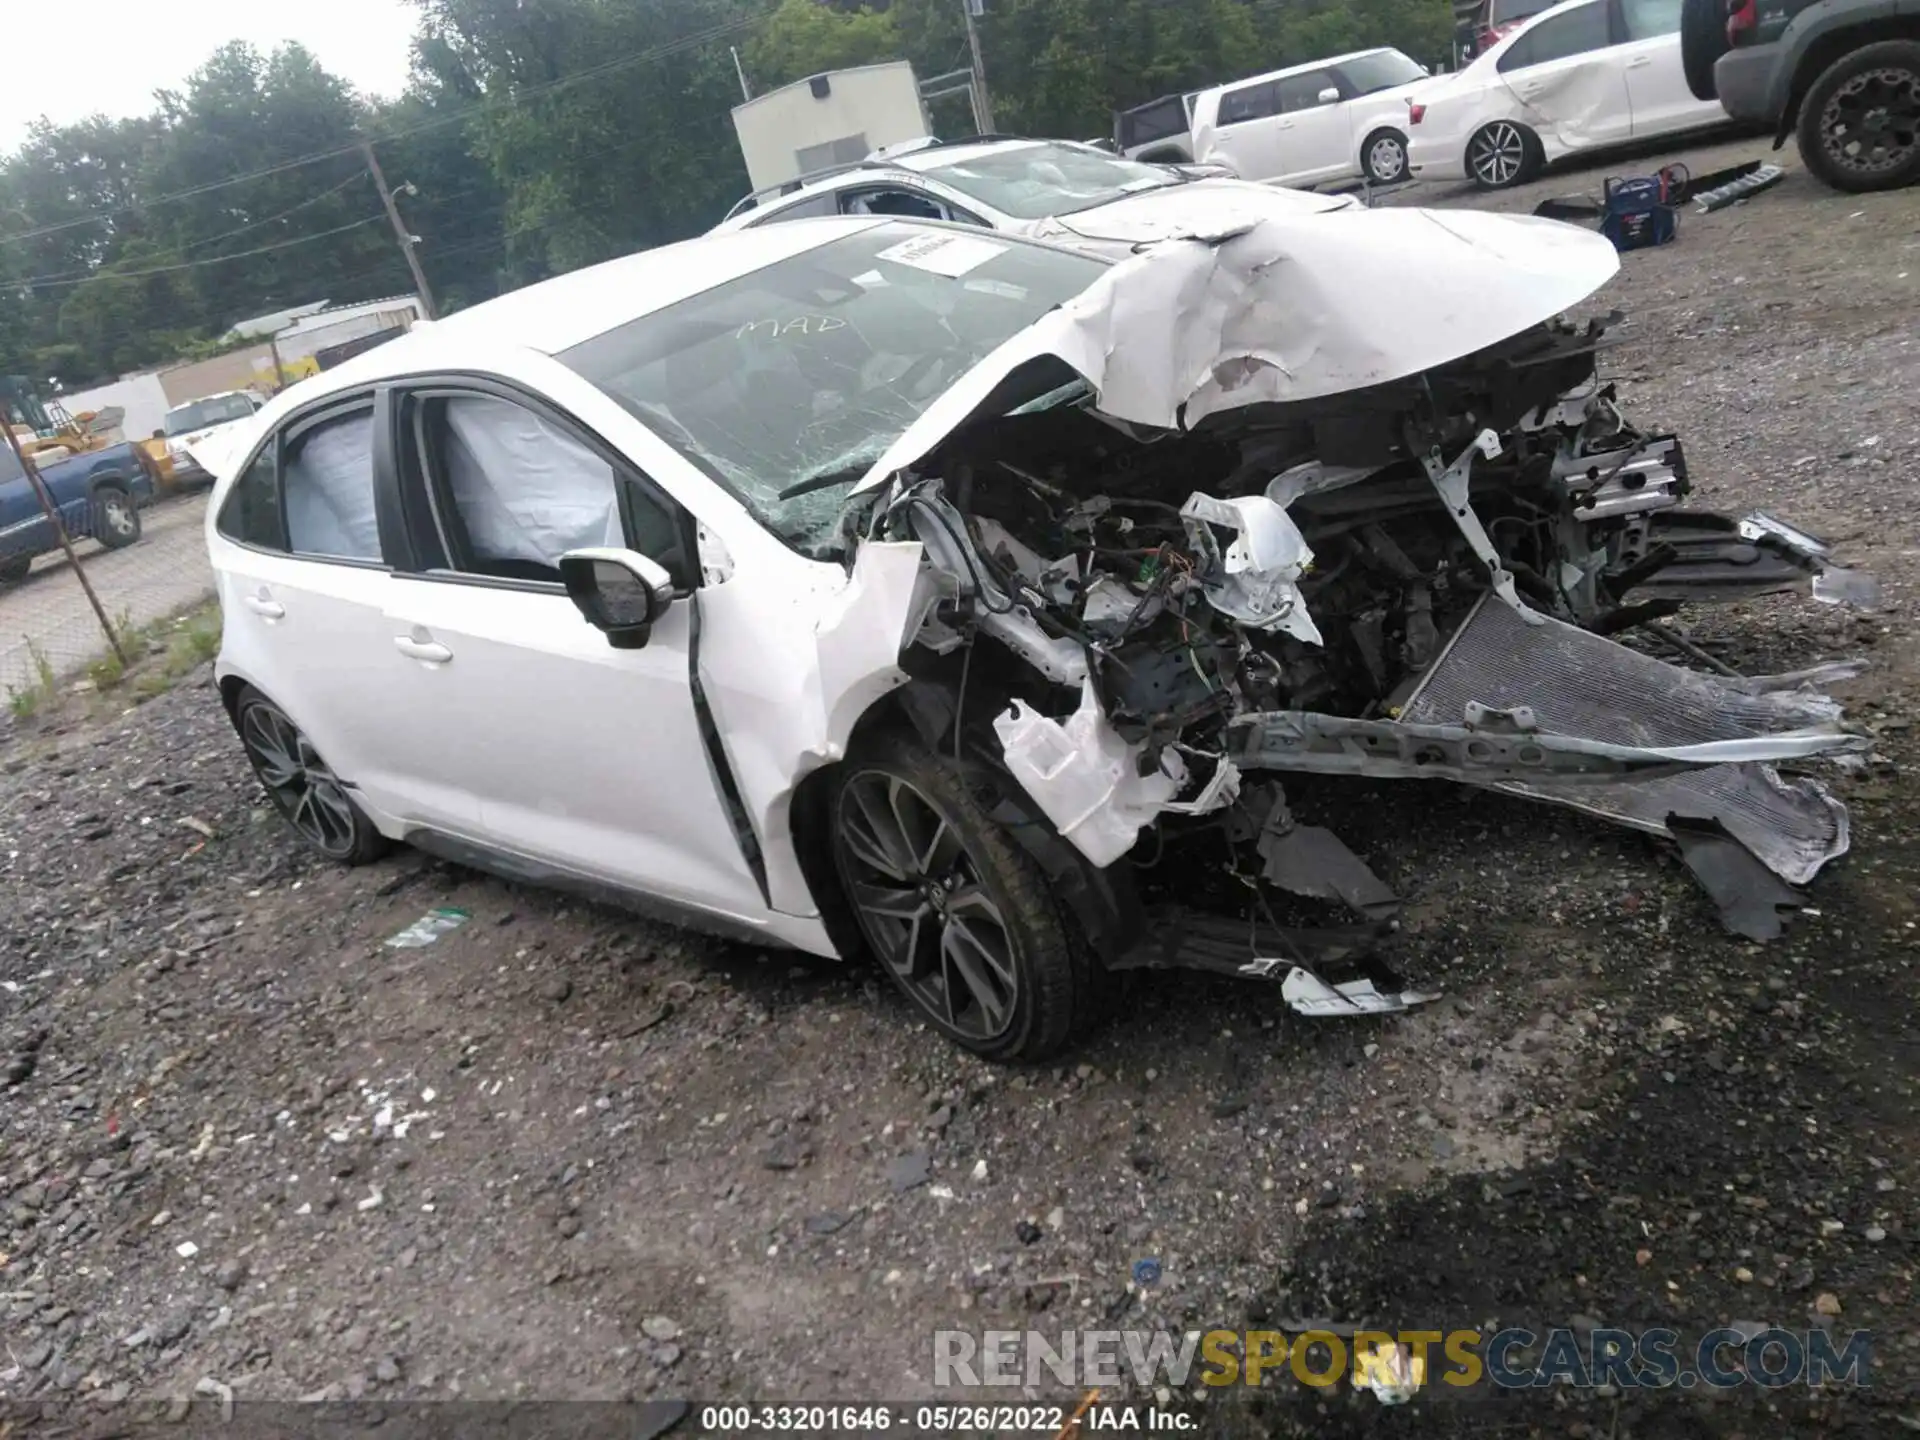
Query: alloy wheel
[[1871, 124], [303, 788], [118, 513], [1386, 160], [924, 910], [1497, 154]]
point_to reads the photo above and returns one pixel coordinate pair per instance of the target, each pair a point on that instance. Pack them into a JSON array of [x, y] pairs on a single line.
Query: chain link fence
[[52, 640]]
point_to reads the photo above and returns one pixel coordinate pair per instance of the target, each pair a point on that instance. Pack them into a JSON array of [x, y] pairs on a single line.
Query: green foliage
[[537, 136]]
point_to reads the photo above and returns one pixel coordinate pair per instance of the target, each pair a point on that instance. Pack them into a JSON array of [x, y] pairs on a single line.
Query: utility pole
[[982, 103], [746, 90], [32, 473], [400, 231]]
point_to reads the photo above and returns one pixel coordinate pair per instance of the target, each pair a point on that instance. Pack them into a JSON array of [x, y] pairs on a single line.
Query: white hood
[[1257, 307]]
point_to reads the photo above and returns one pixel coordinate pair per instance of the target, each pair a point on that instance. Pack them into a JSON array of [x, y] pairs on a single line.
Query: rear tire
[[116, 519], [1383, 158], [14, 569], [1859, 127], [1502, 154], [1703, 40], [306, 792], [956, 913]]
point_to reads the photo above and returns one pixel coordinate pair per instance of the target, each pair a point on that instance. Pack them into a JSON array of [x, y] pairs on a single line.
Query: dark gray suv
[[1841, 75]]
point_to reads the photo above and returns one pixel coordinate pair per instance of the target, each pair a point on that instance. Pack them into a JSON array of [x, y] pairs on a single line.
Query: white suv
[[1332, 120]]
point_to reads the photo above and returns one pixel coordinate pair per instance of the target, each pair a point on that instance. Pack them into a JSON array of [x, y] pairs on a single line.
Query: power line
[[195, 264], [594, 72]]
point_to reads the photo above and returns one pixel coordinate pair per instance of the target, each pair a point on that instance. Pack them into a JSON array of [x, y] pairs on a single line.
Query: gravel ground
[[557, 1153]]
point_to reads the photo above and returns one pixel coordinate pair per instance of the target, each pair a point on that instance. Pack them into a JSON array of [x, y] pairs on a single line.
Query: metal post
[[746, 90], [400, 231], [982, 102], [279, 375], [32, 472]]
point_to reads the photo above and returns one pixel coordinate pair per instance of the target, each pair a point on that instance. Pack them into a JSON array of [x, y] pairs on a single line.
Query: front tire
[[116, 519], [1384, 157], [1859, 127], [1502, 154], [956, 913], [14, 569], [306, 792]]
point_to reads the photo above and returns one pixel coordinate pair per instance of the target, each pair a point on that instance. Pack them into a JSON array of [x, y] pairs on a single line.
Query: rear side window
[[328, 487], [1302, 92], [805, 209], [1577, 32], [251, 514], [1249, 102]]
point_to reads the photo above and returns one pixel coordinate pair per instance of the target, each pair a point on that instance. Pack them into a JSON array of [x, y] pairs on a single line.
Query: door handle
[[266, 609], [427, 650], [1638, 61], [1286, 124]]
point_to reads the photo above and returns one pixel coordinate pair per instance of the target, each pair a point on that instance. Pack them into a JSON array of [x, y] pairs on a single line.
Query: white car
[[1332, 120], [1058, 190], [1583, 75], [189, 427], [862, 584]]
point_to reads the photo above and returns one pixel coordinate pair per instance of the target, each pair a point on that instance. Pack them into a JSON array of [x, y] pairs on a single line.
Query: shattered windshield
[[214, 410], [787, 384], [1031, 182]]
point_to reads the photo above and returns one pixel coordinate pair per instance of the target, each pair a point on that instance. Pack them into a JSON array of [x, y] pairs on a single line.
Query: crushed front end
[[1148, 626]]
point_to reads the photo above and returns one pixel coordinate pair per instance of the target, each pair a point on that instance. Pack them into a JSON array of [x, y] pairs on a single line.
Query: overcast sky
[[66, 59]]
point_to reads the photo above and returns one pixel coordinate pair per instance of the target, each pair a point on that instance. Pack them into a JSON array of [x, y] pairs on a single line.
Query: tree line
[[533, 137]]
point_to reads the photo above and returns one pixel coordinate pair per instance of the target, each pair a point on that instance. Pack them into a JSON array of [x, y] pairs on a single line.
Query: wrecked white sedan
[[871, 584]]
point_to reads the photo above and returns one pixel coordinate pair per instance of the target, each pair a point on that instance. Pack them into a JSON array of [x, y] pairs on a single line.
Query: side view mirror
[[619, 591], [1329, 96]]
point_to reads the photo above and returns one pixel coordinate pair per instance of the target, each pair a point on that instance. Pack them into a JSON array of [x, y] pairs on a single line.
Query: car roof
[[202, 399], [866, 172], [1292, 70]]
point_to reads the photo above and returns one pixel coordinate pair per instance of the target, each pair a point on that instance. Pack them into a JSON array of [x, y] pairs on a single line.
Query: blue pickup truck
[[97, 492]]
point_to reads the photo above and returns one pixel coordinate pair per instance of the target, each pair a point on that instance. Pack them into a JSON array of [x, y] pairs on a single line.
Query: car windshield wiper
[[846, 474]]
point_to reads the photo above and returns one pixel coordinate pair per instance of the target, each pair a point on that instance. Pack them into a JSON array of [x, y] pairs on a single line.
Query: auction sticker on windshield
[[949, 255]]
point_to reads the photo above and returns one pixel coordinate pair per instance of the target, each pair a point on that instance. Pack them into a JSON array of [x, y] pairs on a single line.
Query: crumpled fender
[[1258, 307]]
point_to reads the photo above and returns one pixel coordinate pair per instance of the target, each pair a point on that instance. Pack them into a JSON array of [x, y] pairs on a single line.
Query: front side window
[[801, 210], [1304, 92], [787, 384], [327, 478], [1030, 182], [251, 513], [1650, 19], [520, 490], [896, 200], [1577, 32]]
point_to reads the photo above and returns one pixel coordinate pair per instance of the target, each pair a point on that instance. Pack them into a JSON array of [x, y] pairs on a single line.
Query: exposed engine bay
[[1419, 578]]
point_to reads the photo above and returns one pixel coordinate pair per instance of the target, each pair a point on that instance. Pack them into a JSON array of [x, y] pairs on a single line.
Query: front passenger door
[[1314, 143], [581, 756]]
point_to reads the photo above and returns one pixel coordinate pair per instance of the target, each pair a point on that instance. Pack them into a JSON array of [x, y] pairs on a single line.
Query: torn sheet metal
[[1311, 860], [1287, 309], [1577, 683], [1307, 993], [1752, 899], [1256, 579]]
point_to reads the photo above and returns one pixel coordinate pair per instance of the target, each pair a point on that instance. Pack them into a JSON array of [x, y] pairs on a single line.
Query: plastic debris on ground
[[429, 928]]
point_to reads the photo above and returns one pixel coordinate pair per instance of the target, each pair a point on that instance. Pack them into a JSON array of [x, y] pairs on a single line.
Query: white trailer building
[[832, 119]]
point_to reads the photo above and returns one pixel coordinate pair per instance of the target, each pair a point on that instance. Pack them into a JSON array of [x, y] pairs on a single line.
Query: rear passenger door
[[304, 581], [1569, 75]]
